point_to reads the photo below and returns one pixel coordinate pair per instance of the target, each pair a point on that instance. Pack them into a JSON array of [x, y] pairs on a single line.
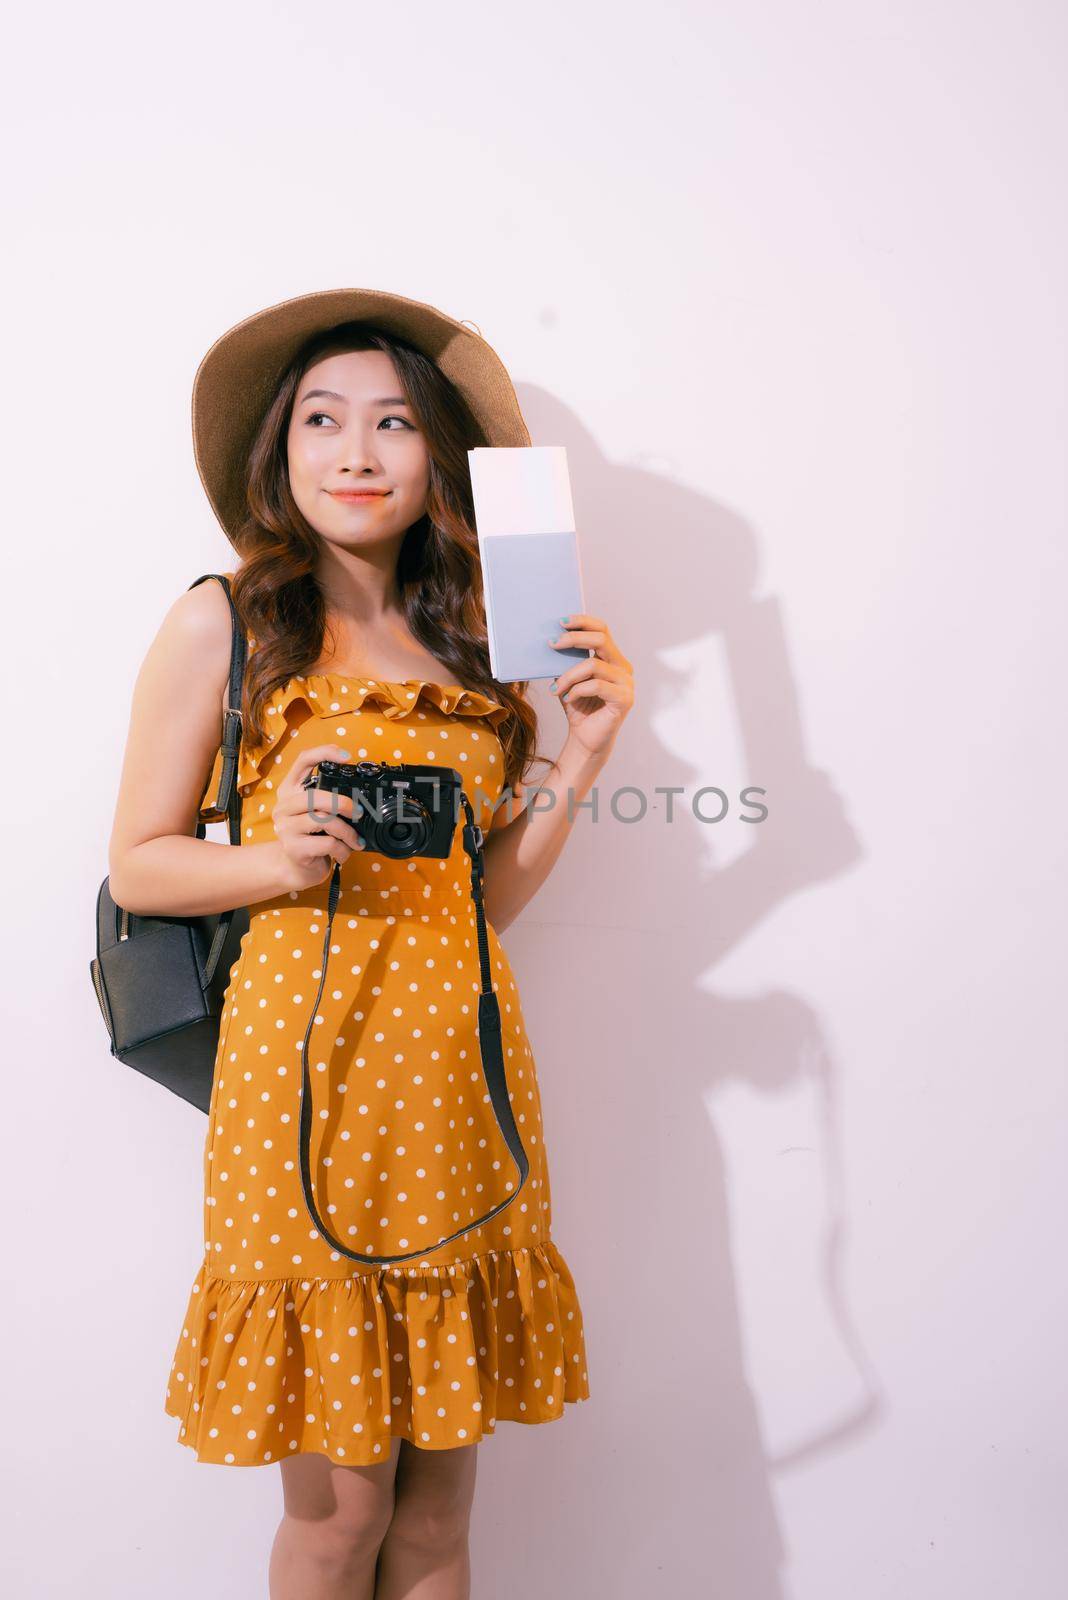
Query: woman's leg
[[329, 1537], [425, 1555]]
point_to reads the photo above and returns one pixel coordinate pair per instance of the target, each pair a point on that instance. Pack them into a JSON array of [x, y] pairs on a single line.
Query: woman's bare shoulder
[[194, 639], [203, 611]]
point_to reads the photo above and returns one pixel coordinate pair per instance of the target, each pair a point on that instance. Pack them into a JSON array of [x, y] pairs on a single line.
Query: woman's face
[[351, 429]]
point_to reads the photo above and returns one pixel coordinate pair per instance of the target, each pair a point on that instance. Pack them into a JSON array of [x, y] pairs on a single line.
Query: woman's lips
[[358, 496]]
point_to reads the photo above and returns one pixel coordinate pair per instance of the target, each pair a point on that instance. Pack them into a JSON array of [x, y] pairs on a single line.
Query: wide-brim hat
[[239, 376]]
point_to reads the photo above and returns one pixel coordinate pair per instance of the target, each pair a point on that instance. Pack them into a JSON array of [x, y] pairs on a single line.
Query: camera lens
[[403, 835]]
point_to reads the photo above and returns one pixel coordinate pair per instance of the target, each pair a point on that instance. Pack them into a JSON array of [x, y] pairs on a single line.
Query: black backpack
[[160, 981]]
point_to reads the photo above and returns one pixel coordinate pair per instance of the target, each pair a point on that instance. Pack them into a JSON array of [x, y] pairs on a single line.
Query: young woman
[[331, 436]]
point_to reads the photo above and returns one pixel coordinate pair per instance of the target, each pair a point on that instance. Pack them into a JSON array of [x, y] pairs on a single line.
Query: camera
[[397, 809]]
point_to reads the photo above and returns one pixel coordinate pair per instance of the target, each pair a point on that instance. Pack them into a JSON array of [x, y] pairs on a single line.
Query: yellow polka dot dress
[[286, 1344]]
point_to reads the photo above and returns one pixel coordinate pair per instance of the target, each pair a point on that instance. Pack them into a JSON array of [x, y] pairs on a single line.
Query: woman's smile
[[358, 497]]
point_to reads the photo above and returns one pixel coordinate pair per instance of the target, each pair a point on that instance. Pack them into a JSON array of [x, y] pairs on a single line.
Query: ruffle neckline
[[332, 694], [265, 1369], [337, 691]]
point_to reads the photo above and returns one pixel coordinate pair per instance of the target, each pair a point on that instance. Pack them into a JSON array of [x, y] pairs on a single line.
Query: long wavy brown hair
[[439, 574]]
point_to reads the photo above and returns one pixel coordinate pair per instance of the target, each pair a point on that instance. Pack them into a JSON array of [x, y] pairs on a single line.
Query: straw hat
[[237, 379]]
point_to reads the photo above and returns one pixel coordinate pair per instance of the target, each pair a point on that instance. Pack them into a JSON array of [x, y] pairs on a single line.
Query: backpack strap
[[229, 796]]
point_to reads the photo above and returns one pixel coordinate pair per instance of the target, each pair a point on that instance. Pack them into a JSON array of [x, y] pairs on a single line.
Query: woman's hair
[[277, 597]]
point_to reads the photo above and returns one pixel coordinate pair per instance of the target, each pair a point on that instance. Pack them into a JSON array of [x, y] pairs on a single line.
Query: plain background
[[788, 283]]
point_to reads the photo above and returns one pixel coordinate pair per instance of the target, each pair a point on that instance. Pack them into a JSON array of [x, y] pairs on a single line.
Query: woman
[[331, 434]]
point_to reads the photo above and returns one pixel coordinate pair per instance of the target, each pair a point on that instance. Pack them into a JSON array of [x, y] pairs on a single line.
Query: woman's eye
[[310, 420]]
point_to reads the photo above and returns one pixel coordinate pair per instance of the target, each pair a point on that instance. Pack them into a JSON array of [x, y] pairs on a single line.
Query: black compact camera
[[397, 810]]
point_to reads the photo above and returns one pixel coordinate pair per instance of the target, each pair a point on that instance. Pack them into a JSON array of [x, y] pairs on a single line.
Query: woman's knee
[[433, 1505], [337, 1514]]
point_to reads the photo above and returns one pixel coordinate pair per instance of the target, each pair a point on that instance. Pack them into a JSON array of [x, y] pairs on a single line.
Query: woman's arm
[[156, 865], [597, 693], [520, 854]]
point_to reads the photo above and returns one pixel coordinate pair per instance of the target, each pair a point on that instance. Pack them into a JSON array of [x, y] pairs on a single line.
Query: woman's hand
[[311, 840], [597, 693]]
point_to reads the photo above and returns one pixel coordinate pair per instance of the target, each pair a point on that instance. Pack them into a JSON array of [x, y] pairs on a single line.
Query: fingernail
[[346, 754], [565, 619], [553, 684]]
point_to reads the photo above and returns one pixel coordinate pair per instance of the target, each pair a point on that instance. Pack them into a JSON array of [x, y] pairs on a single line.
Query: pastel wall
[[788, 284]]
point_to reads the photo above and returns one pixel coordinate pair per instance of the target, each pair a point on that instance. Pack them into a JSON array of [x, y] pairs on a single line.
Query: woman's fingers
[[308, 836], [327, 803], [307, 759], [592, 633], [591, 671], [598, 688], [316, 813], [323, 811], [294, 798]]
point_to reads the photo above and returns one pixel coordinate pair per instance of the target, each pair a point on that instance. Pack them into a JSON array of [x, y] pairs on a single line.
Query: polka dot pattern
[[287, 1345]]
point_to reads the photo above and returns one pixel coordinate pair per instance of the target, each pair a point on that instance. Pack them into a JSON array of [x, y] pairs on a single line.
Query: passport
[[528, 546]]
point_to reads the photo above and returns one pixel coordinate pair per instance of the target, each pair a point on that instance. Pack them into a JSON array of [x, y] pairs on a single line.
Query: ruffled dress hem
[[266, 1368]]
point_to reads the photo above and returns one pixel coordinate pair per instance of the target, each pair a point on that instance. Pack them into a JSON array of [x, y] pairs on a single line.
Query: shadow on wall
[[661, 1483]]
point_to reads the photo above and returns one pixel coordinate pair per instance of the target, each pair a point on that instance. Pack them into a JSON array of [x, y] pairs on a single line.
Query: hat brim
[[239, 375]]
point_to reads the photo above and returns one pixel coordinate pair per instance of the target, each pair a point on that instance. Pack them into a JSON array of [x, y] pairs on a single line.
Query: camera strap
[[490, 1046]]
